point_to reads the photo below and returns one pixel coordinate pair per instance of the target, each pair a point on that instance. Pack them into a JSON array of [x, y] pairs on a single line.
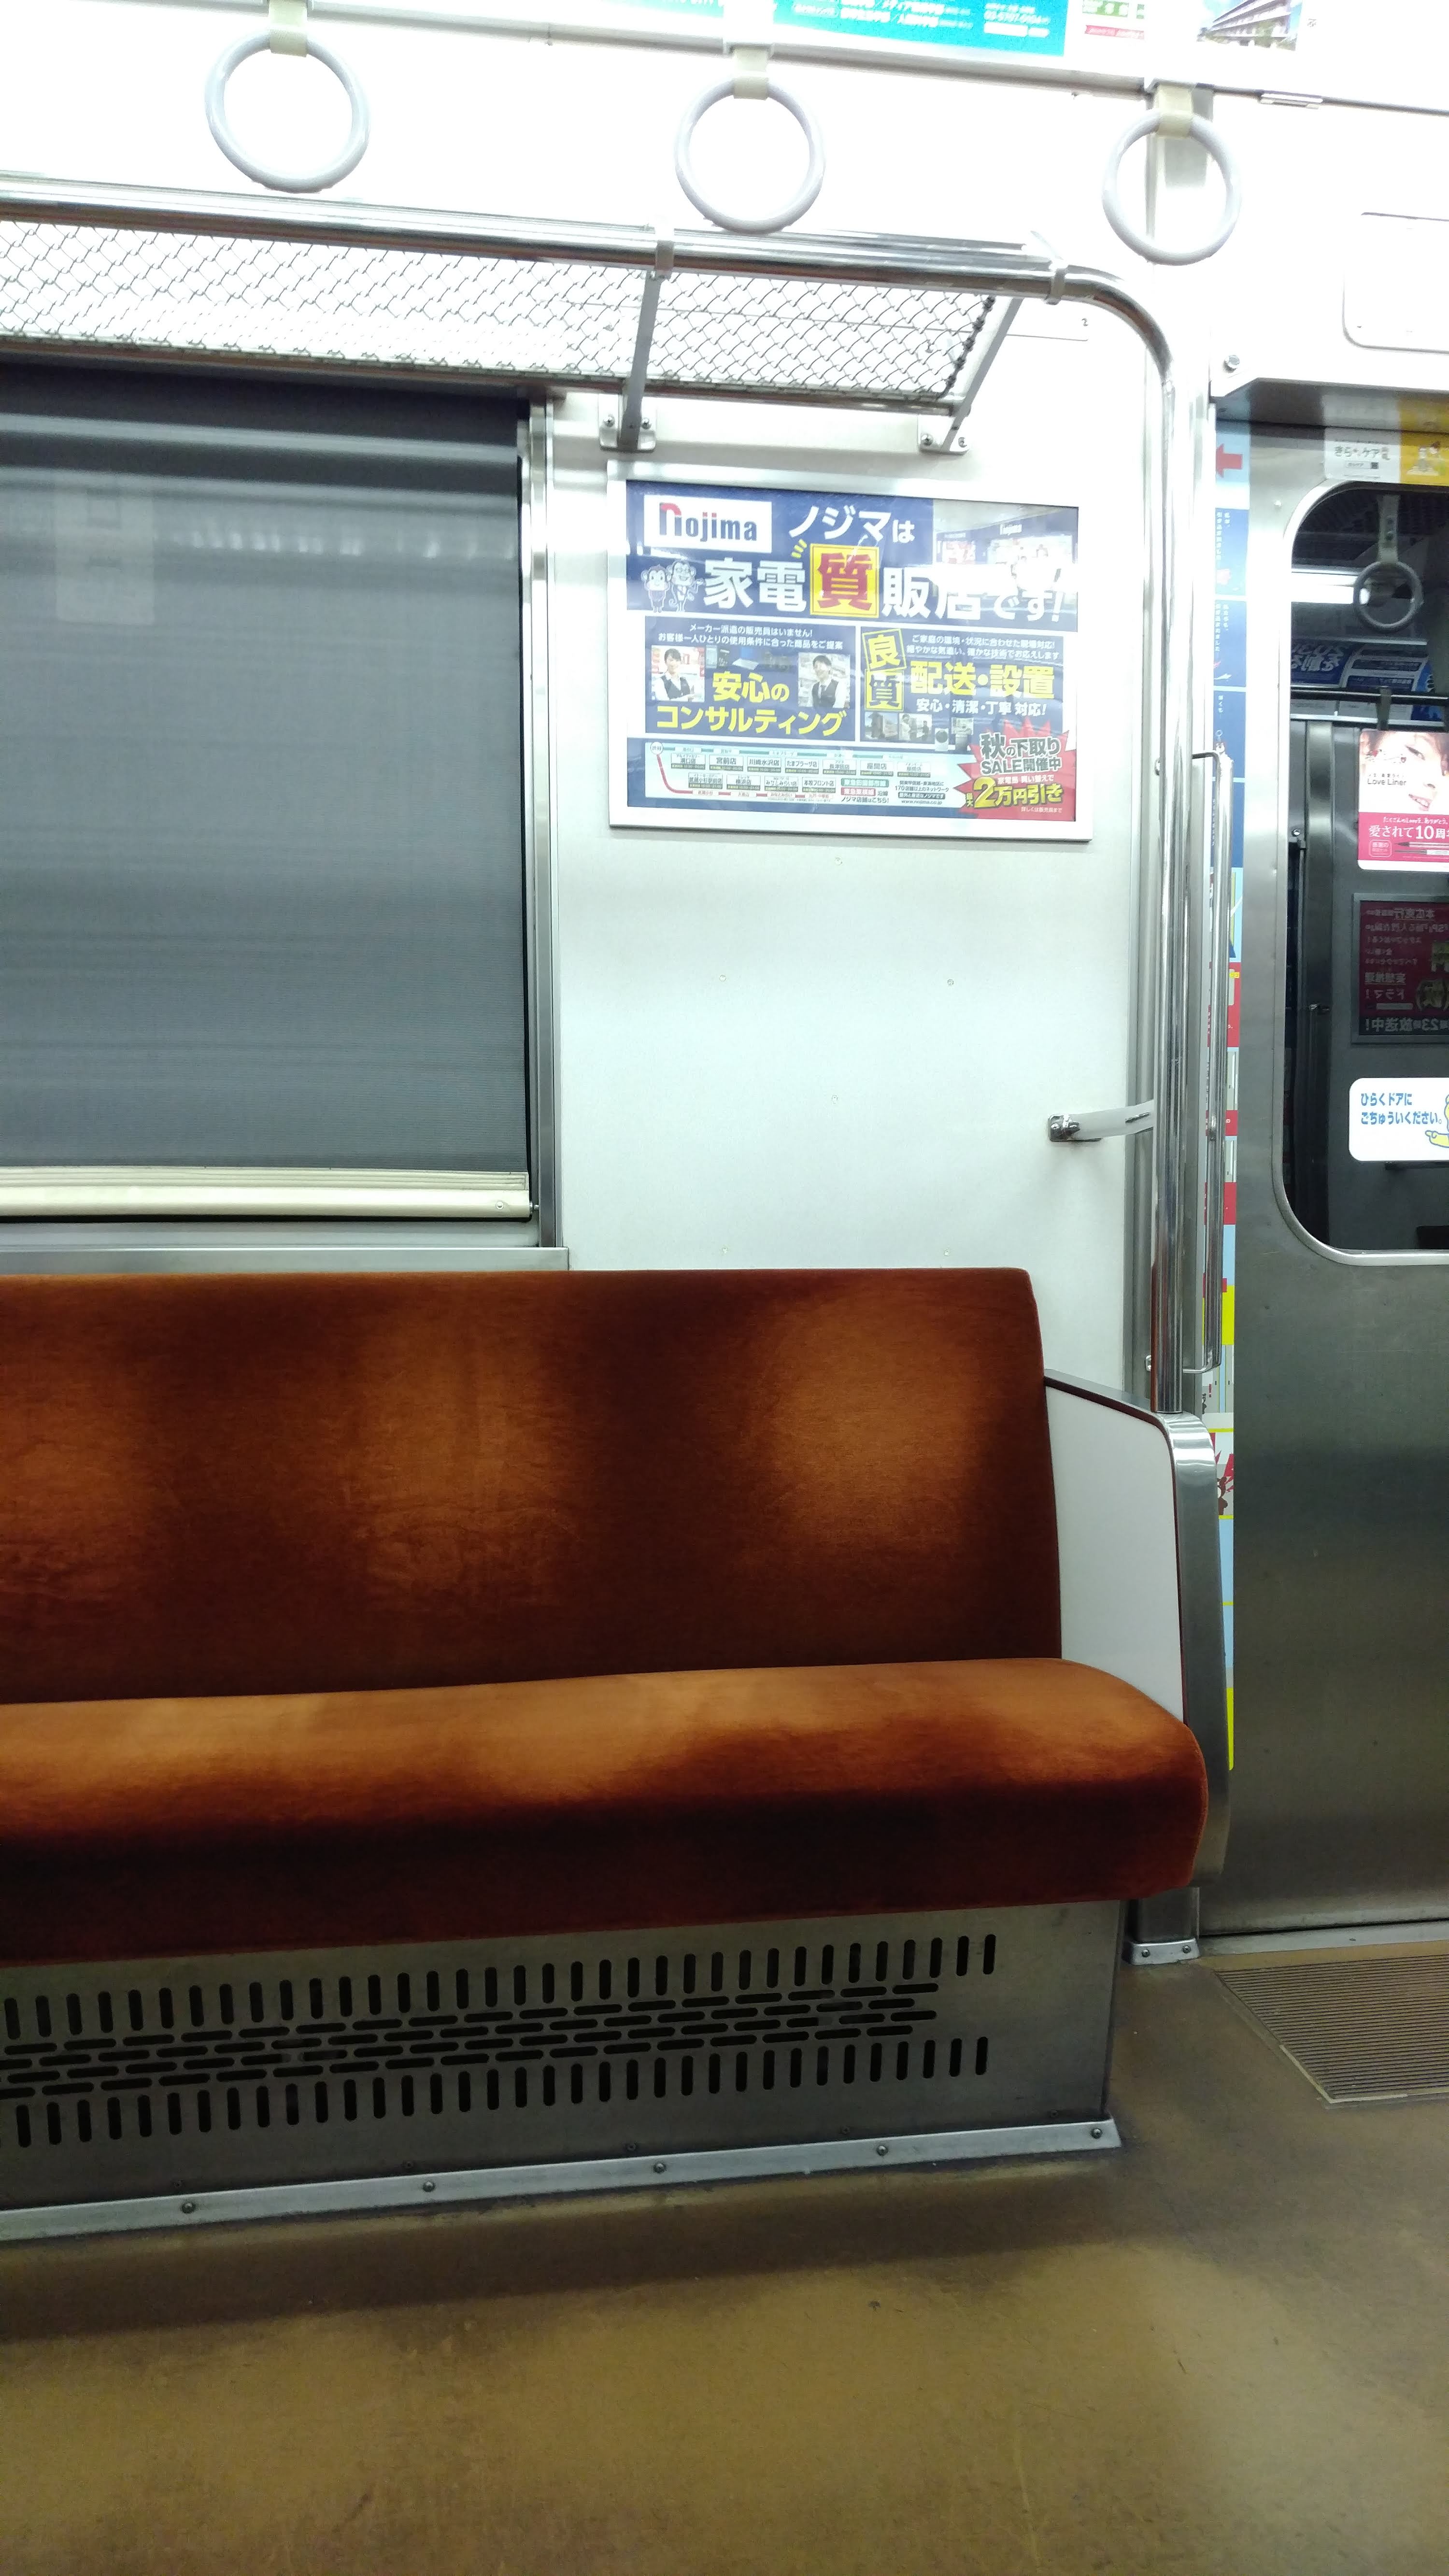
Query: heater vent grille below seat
[[119, 2080]]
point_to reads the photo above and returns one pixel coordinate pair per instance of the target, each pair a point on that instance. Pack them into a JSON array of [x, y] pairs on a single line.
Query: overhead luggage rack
[[506, 320]]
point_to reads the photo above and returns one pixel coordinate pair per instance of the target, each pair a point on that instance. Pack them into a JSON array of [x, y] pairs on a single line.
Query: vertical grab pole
[[1220, 908], [1163, 1299], [1162, 1327], [1177, 1014]]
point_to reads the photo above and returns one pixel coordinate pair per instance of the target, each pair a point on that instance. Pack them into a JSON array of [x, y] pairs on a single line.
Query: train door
[[1341, 1797]]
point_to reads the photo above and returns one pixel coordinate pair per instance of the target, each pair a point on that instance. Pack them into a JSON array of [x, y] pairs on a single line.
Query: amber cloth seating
[[396, 1609], [463, 1736]]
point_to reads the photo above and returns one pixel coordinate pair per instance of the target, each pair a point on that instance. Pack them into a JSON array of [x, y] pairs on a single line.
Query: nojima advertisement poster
[[790, 658]]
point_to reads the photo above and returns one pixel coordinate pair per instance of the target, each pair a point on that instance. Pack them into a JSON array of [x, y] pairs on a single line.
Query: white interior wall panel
[[773, 1048], [1277, 290], [111, 90], [791, 1048]]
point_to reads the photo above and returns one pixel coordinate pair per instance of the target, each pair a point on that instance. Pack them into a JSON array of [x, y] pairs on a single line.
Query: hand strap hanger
[[1387, 594], [286, 32], [1172, 115], [749, 29]]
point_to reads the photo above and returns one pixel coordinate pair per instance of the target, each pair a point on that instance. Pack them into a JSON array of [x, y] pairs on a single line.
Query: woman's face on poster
[[1412, 765]]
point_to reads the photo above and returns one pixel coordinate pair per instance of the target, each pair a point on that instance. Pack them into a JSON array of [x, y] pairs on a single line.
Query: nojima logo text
[[686, 519]]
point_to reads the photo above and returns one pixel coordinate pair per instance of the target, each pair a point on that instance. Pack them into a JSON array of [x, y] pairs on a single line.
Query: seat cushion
[[176, 1827]]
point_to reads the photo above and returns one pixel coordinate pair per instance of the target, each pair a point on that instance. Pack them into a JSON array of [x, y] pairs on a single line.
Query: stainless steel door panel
[[1341, 1789]]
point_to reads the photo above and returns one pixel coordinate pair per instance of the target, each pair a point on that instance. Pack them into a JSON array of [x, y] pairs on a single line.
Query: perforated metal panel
[[514, 321], [166, 2076]]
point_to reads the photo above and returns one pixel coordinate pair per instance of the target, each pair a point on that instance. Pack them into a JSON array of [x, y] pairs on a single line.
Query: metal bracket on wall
[[1089, 1126], [1162, 1931], [643, 444], [948, 437], [628, 426]]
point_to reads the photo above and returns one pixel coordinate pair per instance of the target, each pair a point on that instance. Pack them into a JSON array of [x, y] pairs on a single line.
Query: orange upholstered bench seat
[[395, 1608], [136, 1827]]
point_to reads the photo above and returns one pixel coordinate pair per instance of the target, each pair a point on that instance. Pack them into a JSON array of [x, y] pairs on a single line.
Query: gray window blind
[[261, 862]]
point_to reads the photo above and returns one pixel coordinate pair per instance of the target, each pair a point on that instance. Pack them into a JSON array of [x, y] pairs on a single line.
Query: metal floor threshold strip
[[363, 2193], [1360, 2030]]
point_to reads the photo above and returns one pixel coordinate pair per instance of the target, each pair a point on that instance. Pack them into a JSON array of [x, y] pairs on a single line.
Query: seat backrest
[[251, 1484]]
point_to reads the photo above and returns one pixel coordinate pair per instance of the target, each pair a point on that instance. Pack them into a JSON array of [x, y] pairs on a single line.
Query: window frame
[[131, 1216]]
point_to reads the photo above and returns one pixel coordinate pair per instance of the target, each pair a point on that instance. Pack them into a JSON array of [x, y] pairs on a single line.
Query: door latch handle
[[1089, 1126]]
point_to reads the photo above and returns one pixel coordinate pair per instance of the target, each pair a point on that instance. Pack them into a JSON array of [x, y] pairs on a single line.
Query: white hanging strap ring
[[1387, 596], [1163, 122], [805, 195], [294, 39]]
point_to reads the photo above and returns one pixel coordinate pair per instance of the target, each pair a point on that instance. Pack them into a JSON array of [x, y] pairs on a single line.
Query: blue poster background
[[975, 26], [797, 651], [972, 26]]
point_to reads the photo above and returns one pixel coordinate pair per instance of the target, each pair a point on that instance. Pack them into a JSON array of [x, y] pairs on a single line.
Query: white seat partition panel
[[1137, 1541]]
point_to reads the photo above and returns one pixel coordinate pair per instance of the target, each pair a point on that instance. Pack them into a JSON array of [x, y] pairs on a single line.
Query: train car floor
[[1221, 2352]]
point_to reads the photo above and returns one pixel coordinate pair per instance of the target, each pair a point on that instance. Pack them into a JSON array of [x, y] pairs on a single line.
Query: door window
[[1366, 1003]]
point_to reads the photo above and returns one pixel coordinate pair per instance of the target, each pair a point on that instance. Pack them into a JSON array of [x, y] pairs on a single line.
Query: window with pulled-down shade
[[262, 926]]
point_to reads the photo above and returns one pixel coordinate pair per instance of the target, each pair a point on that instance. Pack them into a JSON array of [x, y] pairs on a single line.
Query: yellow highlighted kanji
[[845, 581]]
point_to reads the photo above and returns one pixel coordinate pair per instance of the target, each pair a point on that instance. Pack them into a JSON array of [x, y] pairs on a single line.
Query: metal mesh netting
[[517, 320]]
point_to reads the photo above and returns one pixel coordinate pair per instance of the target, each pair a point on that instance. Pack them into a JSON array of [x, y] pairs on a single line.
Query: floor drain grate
[[1361, 2030]]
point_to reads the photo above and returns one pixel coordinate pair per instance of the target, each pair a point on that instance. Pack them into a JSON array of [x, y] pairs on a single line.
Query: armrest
[[1141, 1579]]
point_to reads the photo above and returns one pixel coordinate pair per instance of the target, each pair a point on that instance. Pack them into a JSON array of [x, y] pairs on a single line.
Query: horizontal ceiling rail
[[1244, 70]]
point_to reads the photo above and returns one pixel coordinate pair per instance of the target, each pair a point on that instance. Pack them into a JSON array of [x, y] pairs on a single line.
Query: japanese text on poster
[[1399, 1122], [1403, 970], [947, 26], [1403, 799], [986, 26], [842, 660]]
